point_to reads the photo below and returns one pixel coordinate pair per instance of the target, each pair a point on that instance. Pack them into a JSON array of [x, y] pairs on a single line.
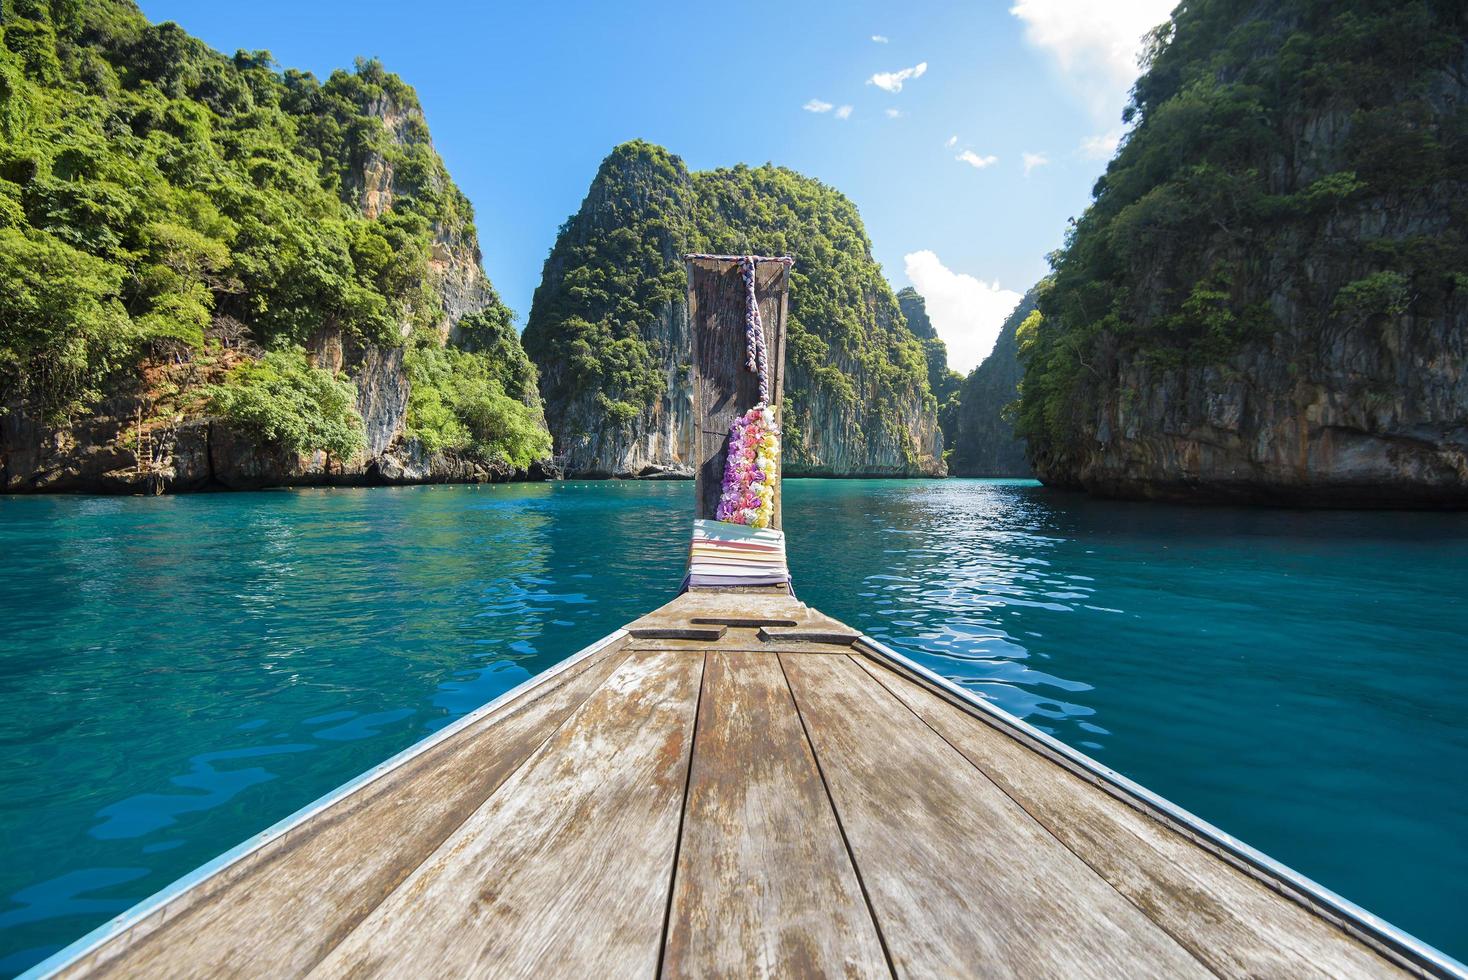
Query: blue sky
[[965, 170]]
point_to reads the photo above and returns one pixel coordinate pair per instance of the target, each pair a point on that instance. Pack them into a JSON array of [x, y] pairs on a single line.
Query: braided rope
[[754, 332], [756, 357]]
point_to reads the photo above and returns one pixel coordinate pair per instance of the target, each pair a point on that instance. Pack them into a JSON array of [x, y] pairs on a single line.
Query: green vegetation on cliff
[[478, 395], [602, 327], [459, 402], [605, 286], [943, 381], [282, 399], [159, 200], [1299, 166]]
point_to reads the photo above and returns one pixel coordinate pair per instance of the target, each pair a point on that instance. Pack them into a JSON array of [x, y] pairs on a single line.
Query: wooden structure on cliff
[[733, 785]]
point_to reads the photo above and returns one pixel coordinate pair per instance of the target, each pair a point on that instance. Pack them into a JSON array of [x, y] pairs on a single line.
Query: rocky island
[[608, 328]]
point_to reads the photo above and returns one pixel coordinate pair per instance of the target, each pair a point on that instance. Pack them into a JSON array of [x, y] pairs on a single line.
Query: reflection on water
[[181, 672]]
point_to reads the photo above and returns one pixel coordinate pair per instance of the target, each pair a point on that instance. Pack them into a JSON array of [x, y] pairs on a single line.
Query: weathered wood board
[[722, 387], [962, 881], [764, 885], [779, 623], [566, 870], [1224, 917]]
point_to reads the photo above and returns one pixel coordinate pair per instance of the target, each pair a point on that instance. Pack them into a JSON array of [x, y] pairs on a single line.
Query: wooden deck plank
[[708, 604], [1230, 921], [961, 879], [749, 621], [837, 635], [764, 885], [566, 869], [692, 632], [739, 641], [320, 879]]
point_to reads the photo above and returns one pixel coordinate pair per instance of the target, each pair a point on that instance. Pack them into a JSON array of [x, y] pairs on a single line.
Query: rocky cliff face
[[1340, 417], [1267, 301], [608, 329], [658, 441], [828, 433], [942, 380], [985, 444], [455, 264], [455, 279], [413, 253]]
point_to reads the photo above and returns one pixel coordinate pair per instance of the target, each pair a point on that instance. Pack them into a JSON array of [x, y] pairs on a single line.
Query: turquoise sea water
[[179, 673]]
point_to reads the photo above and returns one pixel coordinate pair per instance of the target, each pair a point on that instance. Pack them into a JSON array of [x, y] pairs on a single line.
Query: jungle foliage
[[152, 188], [281, 399], [459, 401]]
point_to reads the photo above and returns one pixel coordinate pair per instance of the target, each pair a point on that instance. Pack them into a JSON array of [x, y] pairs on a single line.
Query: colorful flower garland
[[751, 469]]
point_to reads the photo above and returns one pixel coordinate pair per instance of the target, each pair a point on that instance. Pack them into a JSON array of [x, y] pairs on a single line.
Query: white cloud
[[1096, 45], [891, 81], [893, 113], [880, 38], [1102, 146], [967, 312], [844, 112], [1033, 160], [816, 105], [974, 160], [951, 142]]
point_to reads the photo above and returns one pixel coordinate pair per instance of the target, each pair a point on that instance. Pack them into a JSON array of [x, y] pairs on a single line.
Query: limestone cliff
[[312, 217], [608, 327], [985, 443], [943, 381], [1268, 299]]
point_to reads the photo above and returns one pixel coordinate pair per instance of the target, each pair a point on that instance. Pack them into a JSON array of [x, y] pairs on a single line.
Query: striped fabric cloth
[[735, 554]]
